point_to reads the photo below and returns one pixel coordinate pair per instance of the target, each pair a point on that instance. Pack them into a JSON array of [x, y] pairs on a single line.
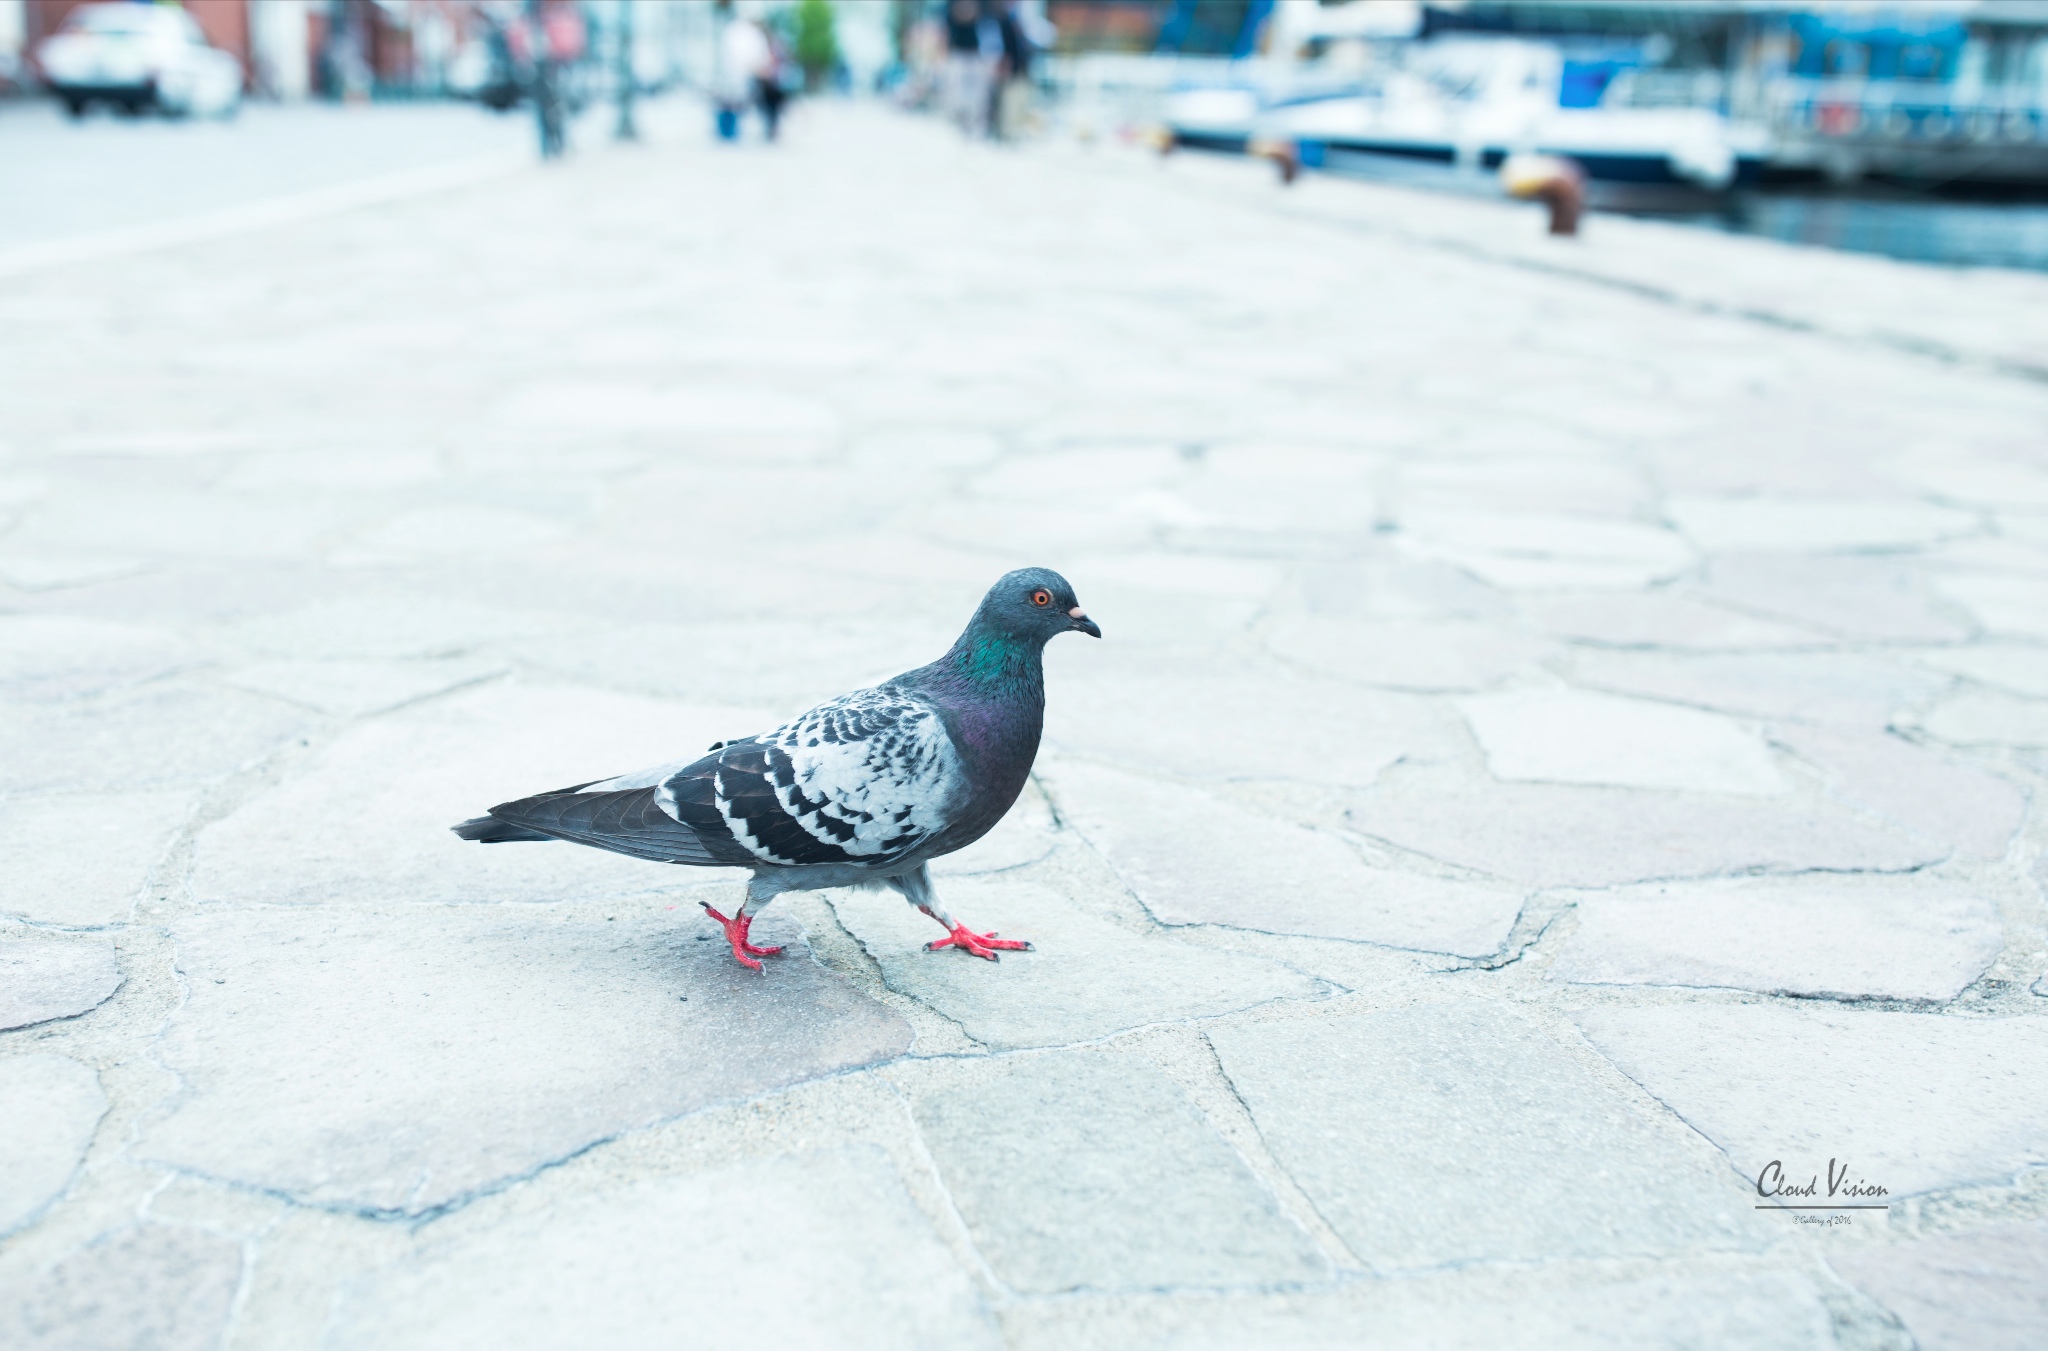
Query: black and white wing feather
[[864, 780]]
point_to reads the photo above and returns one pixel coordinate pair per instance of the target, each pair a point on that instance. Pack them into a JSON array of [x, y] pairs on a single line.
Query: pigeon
[[865, 789]]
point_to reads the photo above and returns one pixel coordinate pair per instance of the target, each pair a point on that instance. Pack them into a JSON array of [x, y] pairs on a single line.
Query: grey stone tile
[[1550, 835], [1904, 937], [1913, 1102], [248, 527], [401, 1063], [354, 689], [56, 571], [44, 980], [1979, 717], [57, 657], [1087, 978], [1984, 1290], [1975, 811], [83, 859], [1439, 1135], [400, 782], [1521, 551], [1410, 654], [758, 661], [1083, 1171], [2014, 667], [1572, 736], [1254, 723], [1661, 619], [1194, 858], [161, 1286], [160, 734], [1856, 597], [370, 625], [1841, 688], [54, 1104], [2004, 604], [822, 1249], [1815, 524], [1479, 1308]]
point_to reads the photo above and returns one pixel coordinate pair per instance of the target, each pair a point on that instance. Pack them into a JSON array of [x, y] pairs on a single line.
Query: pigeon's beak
[[1083, 623]]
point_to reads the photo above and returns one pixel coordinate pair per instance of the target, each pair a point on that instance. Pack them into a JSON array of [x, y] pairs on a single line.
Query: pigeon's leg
[[760, 891], [917, 889]]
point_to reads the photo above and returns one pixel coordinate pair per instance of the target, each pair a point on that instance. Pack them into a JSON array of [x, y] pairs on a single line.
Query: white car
[[138, 56]]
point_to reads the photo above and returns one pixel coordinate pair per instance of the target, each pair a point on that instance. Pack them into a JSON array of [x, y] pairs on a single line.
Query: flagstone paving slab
[[1871, 598], [1087, 978], [1480, 1308], [83, 859], [1978, 812], [1907, 937], [159, 735], [399, 783], [1194, 858], [1401, 1127], [820, 1249], [1840, 688], [41, 981], [1092, 1172], [49, 658], [1552, 835], [400, 1062], [54, 1104], [1760, 524], [1987, 717], [143, 1285], [1986, 1290], [1569, 736], [1914, 1102]]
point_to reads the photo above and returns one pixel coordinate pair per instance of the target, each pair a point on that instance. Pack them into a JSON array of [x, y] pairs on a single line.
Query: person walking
[[1012, 95], [749, 74], [550, 39], [973, 44]]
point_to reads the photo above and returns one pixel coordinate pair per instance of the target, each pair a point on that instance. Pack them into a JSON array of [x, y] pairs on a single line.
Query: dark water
[[1924, 230]]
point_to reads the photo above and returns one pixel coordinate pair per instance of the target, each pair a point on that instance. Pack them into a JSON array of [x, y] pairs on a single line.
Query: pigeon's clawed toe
[[979, 945], [736, 934]]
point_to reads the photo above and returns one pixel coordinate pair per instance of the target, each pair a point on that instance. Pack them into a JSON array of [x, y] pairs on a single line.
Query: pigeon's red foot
[[736, 934], [979, 945]]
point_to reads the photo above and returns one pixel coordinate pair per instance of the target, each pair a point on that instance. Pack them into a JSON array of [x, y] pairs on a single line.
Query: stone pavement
[[1569, 734]]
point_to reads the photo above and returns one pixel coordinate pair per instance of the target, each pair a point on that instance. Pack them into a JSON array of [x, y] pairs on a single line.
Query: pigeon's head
[[1035, 604]]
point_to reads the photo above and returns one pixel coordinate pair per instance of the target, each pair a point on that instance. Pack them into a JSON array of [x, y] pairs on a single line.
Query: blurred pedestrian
[[974, 45], [749, 74], [549, 39], [1012, 95]]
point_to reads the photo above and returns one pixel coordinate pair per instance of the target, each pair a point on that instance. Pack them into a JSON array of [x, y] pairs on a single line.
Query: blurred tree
[[817, 46]]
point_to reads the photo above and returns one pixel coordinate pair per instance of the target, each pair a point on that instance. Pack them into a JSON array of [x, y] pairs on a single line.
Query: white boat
[[1469, 103]]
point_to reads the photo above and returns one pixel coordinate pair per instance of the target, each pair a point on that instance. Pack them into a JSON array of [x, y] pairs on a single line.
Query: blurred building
[[292, 49]]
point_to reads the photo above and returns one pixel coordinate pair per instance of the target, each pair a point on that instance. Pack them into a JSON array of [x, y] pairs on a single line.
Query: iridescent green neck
[[993, 660]]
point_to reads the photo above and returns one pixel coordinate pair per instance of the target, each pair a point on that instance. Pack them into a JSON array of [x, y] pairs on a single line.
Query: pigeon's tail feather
[[490, 830], [625, 821]]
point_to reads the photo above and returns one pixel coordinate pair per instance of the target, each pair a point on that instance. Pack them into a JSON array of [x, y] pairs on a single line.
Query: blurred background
[[1918, 131]]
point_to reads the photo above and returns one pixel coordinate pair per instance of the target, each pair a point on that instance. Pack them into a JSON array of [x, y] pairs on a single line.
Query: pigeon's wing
[[862, 780], [636, 814]]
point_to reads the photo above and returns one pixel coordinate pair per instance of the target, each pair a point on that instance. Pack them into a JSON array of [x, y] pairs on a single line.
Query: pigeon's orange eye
[[1041, 598]]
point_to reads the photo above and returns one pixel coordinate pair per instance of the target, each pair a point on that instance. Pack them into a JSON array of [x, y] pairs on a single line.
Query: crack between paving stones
[[1329, 1237], [963, 1232]]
